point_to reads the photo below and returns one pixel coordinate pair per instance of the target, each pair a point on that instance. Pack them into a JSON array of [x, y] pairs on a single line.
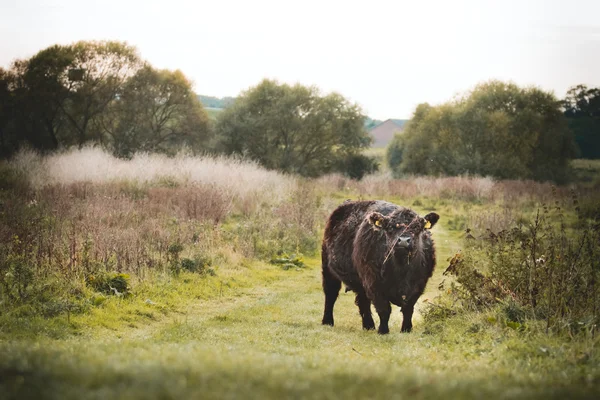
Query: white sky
[[388, 56]]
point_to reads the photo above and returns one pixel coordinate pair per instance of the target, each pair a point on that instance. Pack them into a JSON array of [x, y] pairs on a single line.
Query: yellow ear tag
[[427, 225], [378, 223]]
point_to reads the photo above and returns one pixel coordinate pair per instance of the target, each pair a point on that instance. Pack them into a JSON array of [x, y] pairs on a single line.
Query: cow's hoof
[[327, 322], [369, 327], [384, 331]]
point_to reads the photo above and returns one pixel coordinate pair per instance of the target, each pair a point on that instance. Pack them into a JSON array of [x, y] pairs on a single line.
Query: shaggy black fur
[[362, 247]]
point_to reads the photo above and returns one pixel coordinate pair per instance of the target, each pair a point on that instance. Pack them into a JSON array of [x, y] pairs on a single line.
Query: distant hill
[[215, 102], [385, 131]]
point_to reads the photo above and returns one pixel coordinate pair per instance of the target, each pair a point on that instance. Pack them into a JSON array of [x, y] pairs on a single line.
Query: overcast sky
[[388, 56]]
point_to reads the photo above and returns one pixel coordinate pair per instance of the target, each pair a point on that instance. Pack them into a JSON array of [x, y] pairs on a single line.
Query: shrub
[[394, 154], [356, 166], [16, 276], [546, 267], [200, 264], [286, 261], [112, 283]]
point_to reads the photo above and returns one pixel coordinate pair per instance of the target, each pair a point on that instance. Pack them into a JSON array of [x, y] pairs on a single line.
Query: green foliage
[[586, 170], [156, 112], [292, 128], [174, 250], [98, 92], [394, 154], [16, 277], [356, 166], [286, 261], [582, 109], [498, 130], [112, 283], [199, 264], [544, 268]]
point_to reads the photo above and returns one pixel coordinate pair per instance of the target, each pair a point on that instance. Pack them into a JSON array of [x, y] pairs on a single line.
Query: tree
[[98, 92], [42, 91], [394, 154], [157, 111], [498, 129], [58, 95], [292, 128], [104, 69], [582, 109]]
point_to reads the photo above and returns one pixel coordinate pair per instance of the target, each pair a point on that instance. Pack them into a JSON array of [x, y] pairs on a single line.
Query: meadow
[[199, 277]]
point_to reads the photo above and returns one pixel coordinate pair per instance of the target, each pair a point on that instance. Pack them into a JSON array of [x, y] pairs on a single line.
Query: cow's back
[[340, 231]]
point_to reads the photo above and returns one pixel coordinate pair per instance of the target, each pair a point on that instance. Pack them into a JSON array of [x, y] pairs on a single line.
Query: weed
[[539, 269], [286, 261], [111, 283]]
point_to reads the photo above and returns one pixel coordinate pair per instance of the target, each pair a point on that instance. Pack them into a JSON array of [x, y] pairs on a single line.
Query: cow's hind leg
[[364, 307], [331, 288]]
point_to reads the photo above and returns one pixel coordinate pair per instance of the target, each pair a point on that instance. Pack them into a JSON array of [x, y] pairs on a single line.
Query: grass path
[[266, 341]]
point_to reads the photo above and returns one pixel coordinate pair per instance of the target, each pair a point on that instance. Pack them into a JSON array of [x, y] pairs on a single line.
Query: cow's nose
[[404, 241]]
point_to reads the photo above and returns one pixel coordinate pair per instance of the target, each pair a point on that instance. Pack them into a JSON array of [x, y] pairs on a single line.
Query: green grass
[[253, 331], [586, 170]]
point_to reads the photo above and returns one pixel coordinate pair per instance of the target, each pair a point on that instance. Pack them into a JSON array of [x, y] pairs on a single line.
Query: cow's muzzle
[[404, 242]]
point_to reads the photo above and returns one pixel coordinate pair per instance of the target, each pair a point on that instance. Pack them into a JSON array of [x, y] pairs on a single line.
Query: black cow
[[382, 252]]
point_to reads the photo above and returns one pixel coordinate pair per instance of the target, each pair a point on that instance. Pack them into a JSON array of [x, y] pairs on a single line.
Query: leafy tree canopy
[[582, 109], [157, 111], [294, 129], [99, 92], [498, 129]]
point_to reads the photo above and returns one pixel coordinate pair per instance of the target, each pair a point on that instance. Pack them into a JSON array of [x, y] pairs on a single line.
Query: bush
[[394, 154], [113, 283], [286, 261], [16, 276], [200, 264], [356, 166], [546, 268]]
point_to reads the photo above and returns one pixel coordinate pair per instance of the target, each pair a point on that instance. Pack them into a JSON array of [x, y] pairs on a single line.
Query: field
[[213, 113], [206, 313]]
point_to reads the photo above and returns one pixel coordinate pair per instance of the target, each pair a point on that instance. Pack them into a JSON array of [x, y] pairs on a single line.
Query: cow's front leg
[[364, 307], [384, 309], [407, 312]]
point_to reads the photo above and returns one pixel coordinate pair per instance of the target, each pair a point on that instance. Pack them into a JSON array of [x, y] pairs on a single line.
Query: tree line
[[501, 130], [102, 92], [97, 92]]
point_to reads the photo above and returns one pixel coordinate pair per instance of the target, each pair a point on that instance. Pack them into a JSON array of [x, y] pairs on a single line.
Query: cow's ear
[[430, 220], [377, 220]]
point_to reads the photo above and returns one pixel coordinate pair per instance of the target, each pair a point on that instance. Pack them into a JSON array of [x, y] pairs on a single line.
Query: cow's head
[[403, 227]]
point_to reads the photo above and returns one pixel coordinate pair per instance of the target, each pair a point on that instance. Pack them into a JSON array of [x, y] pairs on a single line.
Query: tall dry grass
[[241, 179], [84, 211], [462, 188], [85, 208]]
